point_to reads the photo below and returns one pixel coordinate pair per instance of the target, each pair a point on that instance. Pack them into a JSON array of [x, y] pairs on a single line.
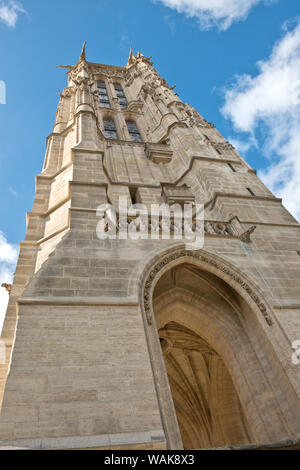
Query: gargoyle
[[245, 237]]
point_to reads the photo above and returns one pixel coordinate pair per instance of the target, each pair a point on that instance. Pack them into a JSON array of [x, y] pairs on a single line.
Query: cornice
[[213, 200]]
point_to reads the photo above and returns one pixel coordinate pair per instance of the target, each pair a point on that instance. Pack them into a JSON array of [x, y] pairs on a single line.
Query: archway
[[207, 406], [218, 380]]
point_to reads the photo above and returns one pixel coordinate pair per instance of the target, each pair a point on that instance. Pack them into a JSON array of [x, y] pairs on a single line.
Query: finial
[[131, 57], [83, 56]]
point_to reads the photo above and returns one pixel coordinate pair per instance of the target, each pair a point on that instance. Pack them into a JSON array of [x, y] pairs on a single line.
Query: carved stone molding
[[222, 146], [138, 58], [194, 117], [158, 153], [135, 106], [197, 255], [178, 194], [219, 228], [67, 92]]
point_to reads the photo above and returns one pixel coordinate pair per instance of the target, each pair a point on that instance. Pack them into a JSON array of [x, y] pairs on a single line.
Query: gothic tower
[[147, 343]]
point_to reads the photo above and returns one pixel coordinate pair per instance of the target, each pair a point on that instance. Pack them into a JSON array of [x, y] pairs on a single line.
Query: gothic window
[[134, 131], [110, 130], [121, 95], [103, 96]]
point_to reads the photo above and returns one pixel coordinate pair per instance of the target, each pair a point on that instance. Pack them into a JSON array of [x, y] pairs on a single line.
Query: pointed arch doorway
[[207, 406], [215, 371]]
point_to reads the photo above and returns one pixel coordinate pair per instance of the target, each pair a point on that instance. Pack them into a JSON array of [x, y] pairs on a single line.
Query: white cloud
[[8, 259], [270, 102], [242, 146], [13, 192], [219, 13], [9, 12]]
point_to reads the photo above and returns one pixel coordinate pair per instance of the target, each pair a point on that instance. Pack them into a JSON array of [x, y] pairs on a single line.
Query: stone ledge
[[88, 301], [84, 442], [283, 305], [217, 195]]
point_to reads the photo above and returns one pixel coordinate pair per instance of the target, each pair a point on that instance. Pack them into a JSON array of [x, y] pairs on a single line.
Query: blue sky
[[236, 61]]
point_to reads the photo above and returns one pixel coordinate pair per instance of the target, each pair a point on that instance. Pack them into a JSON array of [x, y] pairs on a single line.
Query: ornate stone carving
[[138, 58], [157, 81], [8, 287], [158, 153], [181, 107], [183, 195], [135, 106], [222, 146], [195, 119], [178, 194], [147, 89], [106, 71], [192, 116], [147, 291], [81, 82], [219, 228], [245, 237], [67, 92]]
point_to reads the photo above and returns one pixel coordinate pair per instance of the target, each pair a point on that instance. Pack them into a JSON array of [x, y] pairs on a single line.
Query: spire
[[83, 56], [131, 57], [138, 57]]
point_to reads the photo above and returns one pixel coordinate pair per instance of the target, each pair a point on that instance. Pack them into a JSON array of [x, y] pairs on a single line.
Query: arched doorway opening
[[208, 409], [217, 377]]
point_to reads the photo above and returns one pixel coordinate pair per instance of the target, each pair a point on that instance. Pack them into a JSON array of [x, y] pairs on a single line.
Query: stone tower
[[146, 343]]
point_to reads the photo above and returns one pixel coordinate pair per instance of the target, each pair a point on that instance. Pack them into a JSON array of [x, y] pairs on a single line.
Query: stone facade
[[144, 343]]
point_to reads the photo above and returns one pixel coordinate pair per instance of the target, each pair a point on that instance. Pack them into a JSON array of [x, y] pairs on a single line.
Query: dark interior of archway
[[208, 409]]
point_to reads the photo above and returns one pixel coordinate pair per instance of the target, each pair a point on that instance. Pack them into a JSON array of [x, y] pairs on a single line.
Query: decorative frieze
[[191, 115], [107, 71], [222, 146], [195, 118]]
